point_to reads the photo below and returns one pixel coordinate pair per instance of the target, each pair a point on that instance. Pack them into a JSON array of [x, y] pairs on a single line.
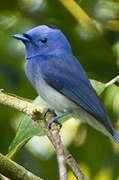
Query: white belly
[[54, 98]]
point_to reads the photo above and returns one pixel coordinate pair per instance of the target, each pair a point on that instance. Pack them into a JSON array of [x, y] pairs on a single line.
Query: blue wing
[[66, 75]]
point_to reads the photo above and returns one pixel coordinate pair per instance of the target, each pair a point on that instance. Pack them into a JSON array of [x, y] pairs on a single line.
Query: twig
[[75, 168], [35, 112], [59, 148], [14, 171], [68, 158], [3, 177], [21, 105], [113, 81], [81, 16], [60, 152]]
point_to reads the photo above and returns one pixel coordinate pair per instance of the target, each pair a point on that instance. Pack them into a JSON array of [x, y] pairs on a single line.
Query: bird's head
[[44, 40]]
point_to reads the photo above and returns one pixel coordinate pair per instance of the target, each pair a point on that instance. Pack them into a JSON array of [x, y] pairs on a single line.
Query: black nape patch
[[52, 26]]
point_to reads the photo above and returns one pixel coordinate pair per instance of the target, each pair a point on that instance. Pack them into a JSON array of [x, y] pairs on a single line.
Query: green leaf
[[28, 128], [98, 86]]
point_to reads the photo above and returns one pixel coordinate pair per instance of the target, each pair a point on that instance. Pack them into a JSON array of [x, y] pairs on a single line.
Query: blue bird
[[60, 80]]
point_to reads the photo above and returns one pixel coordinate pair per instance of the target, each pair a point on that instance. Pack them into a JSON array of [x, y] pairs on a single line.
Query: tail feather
[[116, 137]]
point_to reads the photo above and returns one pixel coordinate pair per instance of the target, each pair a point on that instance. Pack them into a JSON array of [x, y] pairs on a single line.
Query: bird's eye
[[44, 40]]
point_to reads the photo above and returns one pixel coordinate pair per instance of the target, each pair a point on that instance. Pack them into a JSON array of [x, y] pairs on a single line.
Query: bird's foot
[[48, 110], [55, 119]]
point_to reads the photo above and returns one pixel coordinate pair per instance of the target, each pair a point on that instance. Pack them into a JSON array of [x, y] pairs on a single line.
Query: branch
[[60, 152], [113, 81], [35, 112], [59, 148], [68, 158], [75, 168], [20, 105], [14, 171], [81, 16]]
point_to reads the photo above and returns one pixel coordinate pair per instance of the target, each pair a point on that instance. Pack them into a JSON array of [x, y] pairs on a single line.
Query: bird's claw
[[54, 120], [48, 110]]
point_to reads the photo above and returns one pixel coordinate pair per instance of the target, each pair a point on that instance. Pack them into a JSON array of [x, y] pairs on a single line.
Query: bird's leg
[[55, 119]]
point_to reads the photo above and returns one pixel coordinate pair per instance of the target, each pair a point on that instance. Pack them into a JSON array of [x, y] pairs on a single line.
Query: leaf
[[28, 128], [98, 86]]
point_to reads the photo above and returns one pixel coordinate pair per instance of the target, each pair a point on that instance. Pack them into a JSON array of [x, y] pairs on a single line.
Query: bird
[[61, 81]]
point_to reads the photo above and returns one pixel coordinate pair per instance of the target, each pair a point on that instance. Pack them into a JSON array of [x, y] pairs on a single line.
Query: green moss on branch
[[14, 171]]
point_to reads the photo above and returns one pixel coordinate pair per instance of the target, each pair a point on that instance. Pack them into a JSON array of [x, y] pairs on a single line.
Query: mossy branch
[[14, 171]]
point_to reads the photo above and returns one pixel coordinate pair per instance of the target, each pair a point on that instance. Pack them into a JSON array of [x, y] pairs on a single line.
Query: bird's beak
[[21, 37]]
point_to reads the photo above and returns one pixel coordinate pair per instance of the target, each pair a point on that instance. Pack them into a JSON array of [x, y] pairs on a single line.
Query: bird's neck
[[53, 54]]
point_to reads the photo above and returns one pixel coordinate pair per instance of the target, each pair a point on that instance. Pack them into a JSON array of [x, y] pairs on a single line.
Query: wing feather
[[69, 78]]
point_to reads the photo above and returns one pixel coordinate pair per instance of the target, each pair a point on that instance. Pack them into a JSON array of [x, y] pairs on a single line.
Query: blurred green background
[[98, 52]]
